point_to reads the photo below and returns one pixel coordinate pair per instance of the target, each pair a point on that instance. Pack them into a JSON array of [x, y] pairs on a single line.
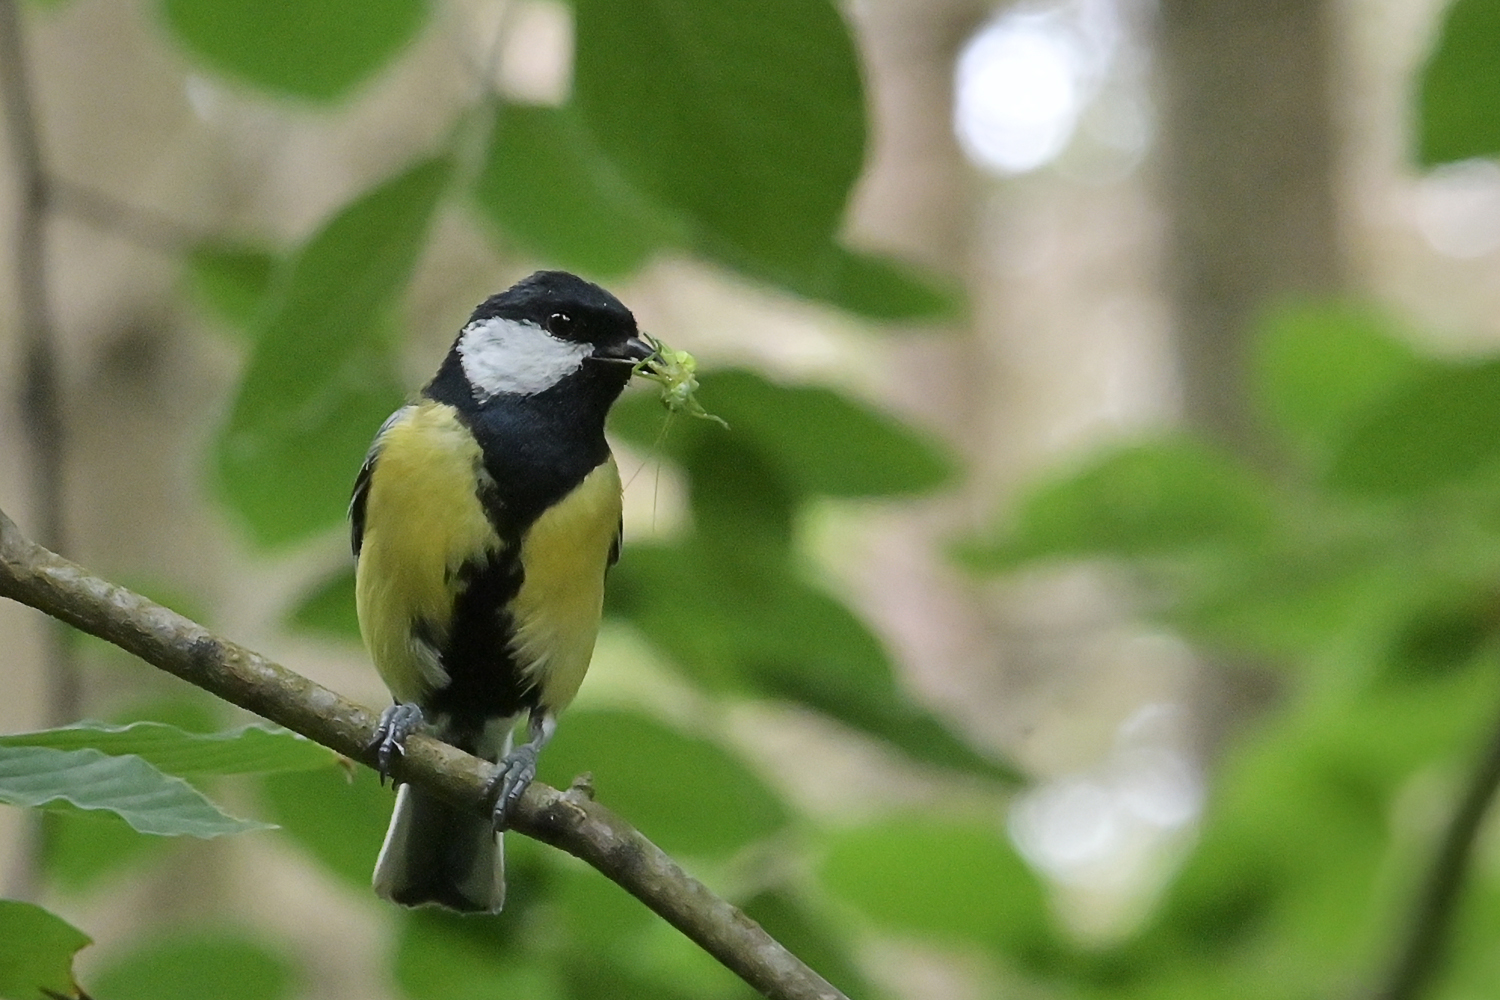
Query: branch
[[1420, 955], [145, 227], [568, 820]]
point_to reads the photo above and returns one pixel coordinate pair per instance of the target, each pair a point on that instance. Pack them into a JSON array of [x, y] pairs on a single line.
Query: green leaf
[[688, 795], [1435, 432], [329, 609], [815, 939], [246, 750], [823, 657], [138, 793], [249, 750], [736, 626], [741, 505], [337, 817], [547, 186], [1320, 365], [881, 288], [588, 978], [83, 850], [38, 952], [315, 49], [1458, 103], [232, 282], [1155, 498], [321, 381], [942, 881], [226, 965], [744, 116], [1295, 848], [869, 285], [598, 916], [1470, 963], [820, 441], [441, 955]]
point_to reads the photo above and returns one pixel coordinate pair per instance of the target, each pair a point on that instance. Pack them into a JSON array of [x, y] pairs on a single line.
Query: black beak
[[634, 350]]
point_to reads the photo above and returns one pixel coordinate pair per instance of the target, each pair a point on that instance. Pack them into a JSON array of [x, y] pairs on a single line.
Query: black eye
[[560, 324]]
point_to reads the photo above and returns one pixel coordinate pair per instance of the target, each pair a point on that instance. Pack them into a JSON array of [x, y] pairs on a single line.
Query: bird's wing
[[362, 484]]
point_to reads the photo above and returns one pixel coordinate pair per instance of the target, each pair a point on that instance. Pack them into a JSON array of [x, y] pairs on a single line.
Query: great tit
[[483, 522]]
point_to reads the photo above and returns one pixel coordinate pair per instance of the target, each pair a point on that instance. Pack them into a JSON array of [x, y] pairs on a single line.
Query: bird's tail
[[434, 853]]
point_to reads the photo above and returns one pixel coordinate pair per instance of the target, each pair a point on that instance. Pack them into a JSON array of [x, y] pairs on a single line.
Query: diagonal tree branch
[[569, 820]]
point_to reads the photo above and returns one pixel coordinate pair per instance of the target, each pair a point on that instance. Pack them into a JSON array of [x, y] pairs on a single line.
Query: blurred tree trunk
[[1248, 164], [1250, 196]]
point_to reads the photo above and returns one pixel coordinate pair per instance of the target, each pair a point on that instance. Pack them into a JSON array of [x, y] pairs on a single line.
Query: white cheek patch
[[511, 356]]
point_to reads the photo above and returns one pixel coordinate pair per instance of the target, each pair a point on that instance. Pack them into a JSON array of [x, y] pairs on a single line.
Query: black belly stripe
[[484, 680], [536, 449]]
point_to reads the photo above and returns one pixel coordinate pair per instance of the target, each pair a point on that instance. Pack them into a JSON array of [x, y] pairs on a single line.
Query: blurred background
[[1095, 592]]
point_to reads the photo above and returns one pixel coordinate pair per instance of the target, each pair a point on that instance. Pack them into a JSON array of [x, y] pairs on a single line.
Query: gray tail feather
[[434, 853]]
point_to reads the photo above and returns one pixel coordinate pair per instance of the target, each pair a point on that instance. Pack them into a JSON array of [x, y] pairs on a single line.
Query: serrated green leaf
[[1458, 103], [329, 610], [233, 282], [749, 123], [321, 380], [940, 880], [38, 952], [820, 441], [1319, 366], [549, 188], [225, 965], [688, 795], [191, 709], [1435, 432], [338, 818], [1156, 498], [150, 801], [315, 49], [249, 750]]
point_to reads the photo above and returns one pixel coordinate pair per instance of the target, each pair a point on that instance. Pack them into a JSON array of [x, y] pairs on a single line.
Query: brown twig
[[1420, 954], [144, 227], [568, 820]]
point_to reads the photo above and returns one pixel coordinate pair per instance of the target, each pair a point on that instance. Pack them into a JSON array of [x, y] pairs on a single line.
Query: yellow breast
[[565, 554], [423, 520]]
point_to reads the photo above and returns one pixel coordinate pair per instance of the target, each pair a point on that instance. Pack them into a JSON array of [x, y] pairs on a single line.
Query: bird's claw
[[513, 775], [396, 723]]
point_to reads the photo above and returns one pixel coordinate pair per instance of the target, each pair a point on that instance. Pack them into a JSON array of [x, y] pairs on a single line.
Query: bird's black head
[[564, 305], [550, 327]]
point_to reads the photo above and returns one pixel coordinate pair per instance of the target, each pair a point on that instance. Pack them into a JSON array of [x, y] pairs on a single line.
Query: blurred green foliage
[[1367, 570], [190, 961], [1366, 566], [1458, 112]]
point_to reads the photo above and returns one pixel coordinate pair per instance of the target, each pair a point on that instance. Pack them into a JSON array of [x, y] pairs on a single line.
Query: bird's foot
[[513, 775], [396, 723]]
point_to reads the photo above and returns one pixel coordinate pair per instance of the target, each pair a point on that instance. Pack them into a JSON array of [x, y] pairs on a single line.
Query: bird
[[483, 522]]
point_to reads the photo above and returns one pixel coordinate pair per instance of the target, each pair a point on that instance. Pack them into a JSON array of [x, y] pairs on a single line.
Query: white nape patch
[[507, 355]]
